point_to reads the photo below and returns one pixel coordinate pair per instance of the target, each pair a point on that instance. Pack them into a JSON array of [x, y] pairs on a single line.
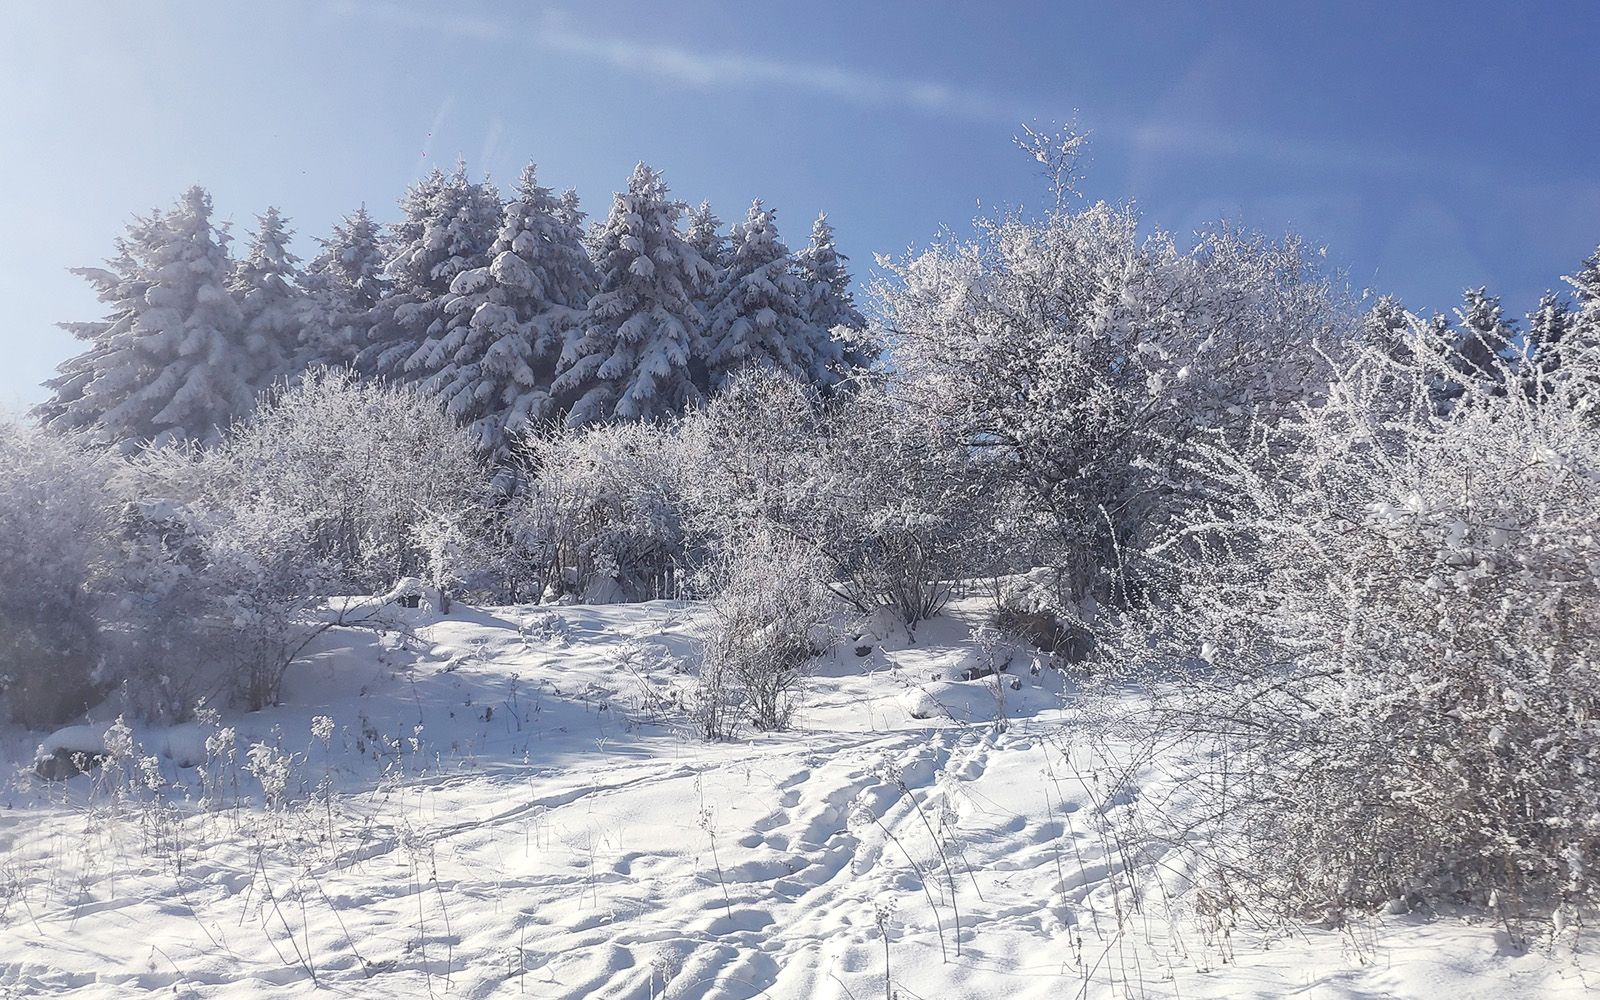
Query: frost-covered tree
[[632, 360], [758, 316], [1072, 356], [704, 234], [449, 226], [272, 306], [343, 283], [1585, 336], [56, 540], [830, 305], [1550, 329], [1387, 627], [492, 358], [334, 487], [170, 362]]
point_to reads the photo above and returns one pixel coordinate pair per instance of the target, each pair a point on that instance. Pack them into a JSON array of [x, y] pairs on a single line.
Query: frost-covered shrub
[[1072, 357], [56, 544], [159, 651], [364, 466], [881, 498], [1392, 642], [769, 602], [332, 488], [1026, 606], [599, 515], [907, 511]]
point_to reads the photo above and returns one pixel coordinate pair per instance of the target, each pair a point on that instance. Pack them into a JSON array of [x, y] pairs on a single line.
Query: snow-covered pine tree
[[1549, 331], [1471, 351], [1586, 327], [830, 303], [343, 284], [705, 235], [170, 362], [272, 305], [632, 360], [504, 324], [450, 223], [1387, 326], [758, 314]]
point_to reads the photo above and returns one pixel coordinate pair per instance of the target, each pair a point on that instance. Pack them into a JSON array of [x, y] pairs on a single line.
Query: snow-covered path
[[552, 830]]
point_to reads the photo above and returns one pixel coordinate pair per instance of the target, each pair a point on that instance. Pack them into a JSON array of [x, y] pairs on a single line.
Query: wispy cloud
[[554, 32], [1162, 139], [711, 69]]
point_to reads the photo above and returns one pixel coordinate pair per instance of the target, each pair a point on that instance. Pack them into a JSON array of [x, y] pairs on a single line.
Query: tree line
[[507, 311]]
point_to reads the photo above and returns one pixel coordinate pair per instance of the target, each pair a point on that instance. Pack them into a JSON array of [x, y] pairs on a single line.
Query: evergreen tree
[[829, 303], [170, 362], [1549, 331], [449, 225], [632, 360], [266, 284], [343, 283], [1586, 325], [1471, 350], [1387, 326], [705, 235], [758, 315], [506, 323]]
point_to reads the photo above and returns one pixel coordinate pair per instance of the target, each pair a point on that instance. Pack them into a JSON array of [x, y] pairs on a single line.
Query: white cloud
[[703, 69], [1164, 138]]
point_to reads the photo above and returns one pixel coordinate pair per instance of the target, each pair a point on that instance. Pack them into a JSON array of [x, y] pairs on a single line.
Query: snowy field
[[508, 802]]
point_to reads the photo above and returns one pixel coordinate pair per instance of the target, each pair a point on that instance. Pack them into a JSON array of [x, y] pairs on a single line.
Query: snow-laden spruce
[[266, 284], [170, 362], [1470, 350], [633, 359], [830, 305], [344, 283], [450, 223], [1562, 332], [704, 234], [759, 315], [492, 359]]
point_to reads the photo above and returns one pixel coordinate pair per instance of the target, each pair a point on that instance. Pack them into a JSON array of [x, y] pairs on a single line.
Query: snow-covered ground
[[510, 803]]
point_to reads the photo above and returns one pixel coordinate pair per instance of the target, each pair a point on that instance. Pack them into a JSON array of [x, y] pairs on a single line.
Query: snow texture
[[503, 803]]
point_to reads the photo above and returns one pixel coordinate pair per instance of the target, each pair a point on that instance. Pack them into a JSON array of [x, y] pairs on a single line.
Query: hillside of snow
[[512, 802]]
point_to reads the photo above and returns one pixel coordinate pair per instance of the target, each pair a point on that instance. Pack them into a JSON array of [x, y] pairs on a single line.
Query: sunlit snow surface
[[517, 808]]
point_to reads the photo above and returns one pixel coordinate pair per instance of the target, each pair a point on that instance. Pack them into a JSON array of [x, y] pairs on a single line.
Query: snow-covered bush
[[599, 514], [770, 600], [885, 500], [159, 648], [1071, 357], [1391, 641], [56, 541], [334, 487], [361, 465]]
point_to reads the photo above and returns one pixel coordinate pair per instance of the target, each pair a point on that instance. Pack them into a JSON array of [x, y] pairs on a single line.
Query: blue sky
[[1427, 146]]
